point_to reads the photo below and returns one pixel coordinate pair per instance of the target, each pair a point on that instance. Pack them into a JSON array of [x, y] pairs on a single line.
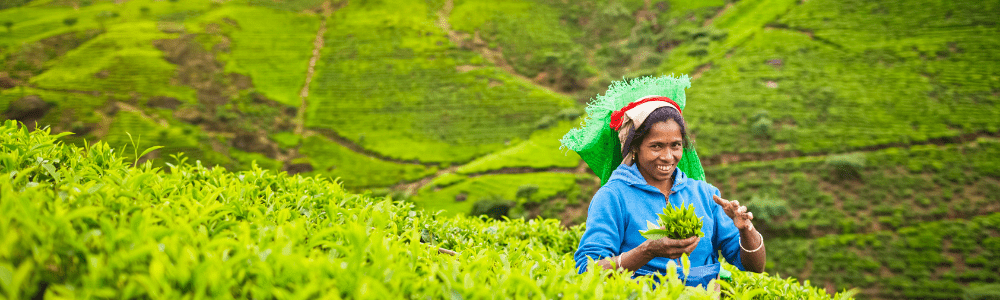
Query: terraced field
[[850, 126]]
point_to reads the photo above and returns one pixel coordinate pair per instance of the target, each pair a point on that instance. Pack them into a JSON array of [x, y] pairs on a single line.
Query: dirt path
[[300, 116]]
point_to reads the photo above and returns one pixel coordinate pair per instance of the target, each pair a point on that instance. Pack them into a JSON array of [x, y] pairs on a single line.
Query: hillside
[[838, 119]]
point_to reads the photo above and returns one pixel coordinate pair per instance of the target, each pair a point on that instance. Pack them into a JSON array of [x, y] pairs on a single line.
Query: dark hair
[[658, 115]]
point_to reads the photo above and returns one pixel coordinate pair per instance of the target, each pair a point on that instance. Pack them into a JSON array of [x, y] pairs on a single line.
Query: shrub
[[69, 21], [847, 166], [494, 206]]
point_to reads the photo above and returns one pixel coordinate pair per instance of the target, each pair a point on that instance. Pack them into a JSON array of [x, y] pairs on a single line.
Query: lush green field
[[272, 47], [81, 223], [867, 192], [390, 81], [829, 87], [877, 122], [932, 260]]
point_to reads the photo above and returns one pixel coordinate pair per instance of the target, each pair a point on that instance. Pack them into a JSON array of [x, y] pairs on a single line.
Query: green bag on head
[[598, 144]]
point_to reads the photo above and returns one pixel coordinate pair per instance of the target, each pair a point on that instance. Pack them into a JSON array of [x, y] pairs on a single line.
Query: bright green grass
[[912, 262], [897, 187], [538, 152], [126, 55], [388, 81], [272, 47], [356, 170], [503, 185], [829, 99]]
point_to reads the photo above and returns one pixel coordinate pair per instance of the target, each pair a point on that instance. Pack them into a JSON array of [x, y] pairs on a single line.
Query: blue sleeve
[[727, 237], [605, 229]]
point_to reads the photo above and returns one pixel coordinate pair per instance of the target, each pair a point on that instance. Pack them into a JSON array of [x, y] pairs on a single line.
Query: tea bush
[[82, 223]]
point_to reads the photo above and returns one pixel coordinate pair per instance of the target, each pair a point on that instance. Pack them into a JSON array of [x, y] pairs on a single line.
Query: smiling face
[[659, 153]]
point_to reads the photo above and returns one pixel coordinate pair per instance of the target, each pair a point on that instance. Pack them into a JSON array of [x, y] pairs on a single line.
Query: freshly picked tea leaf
[[675, 223]]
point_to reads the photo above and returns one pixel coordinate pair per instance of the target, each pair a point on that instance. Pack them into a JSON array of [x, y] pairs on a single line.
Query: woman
[[655, 147]]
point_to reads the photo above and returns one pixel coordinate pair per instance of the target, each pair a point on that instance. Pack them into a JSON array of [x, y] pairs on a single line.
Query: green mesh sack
[[599, 145]]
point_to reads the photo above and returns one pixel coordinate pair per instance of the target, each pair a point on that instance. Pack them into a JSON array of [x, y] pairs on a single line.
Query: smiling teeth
[[663, 168]]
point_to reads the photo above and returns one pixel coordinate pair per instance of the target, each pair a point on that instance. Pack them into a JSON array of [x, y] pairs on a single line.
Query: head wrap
[[625, 106], [628, 119]]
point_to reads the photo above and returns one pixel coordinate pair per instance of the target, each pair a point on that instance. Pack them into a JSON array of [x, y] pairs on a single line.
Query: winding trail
[[318, 44]]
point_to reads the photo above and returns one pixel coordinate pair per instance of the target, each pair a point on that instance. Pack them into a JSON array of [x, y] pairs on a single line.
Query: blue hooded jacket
[[622, 206]]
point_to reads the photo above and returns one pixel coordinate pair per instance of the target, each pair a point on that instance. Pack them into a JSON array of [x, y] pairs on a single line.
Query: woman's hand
[[669, 248], [741, 217]]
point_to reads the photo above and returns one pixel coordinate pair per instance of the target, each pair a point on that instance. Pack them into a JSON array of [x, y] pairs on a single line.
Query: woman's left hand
[[741, 217]]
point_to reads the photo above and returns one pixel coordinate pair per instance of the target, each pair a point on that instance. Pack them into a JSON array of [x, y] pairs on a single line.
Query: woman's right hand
[[670, 248]]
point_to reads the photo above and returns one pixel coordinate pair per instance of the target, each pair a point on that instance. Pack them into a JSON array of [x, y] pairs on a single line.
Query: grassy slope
[[830, 92], [388, 81], [272, 47], [123, 60]]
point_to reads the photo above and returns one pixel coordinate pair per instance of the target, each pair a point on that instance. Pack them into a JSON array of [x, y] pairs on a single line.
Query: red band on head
[[616, 117]]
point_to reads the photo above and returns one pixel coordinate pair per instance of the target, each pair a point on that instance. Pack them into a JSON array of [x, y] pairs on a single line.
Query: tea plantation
[[89, 222], [862, 134]]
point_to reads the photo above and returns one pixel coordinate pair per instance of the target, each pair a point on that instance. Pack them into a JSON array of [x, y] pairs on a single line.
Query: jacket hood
[[631, 176]]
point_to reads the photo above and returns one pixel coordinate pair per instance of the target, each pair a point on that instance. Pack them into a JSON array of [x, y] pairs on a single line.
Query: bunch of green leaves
[[676, 223]]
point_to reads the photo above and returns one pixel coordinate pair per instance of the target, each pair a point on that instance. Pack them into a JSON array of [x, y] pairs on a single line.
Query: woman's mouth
[[664, 168]]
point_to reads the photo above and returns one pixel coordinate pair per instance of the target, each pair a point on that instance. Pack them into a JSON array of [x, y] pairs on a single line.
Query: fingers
[[720, 201], [750, 216]]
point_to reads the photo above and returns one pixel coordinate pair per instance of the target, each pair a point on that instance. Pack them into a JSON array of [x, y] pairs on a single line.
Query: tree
[[69, 21], [8, 24]]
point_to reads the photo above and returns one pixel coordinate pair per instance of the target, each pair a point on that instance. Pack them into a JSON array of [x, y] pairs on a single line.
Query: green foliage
[[526, 192], [676, 223], [123, 60], [493, 206], [357, 170], [821, 72], [900, 263], [391, 81], [532, 36], [847, 166], [81, 222], [767, 208], [254, 31], [906, 187]]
